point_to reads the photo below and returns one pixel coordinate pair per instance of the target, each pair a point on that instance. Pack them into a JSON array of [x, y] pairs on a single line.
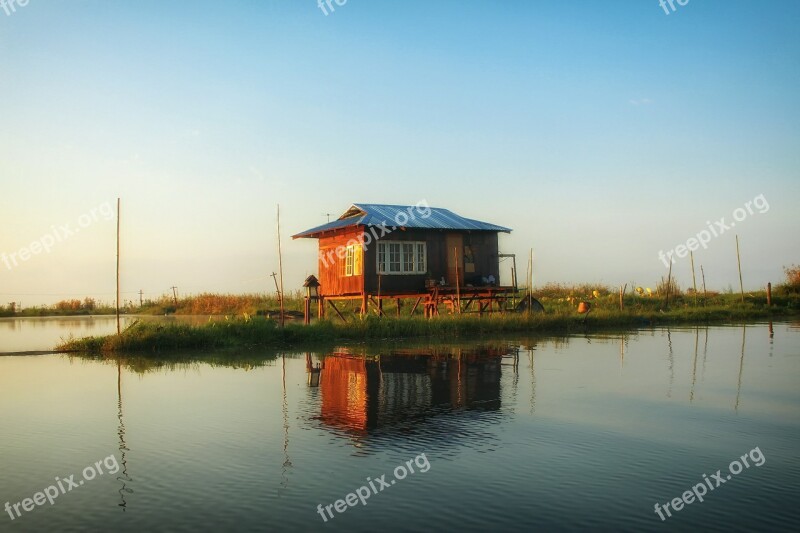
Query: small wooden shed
[[376, 251]]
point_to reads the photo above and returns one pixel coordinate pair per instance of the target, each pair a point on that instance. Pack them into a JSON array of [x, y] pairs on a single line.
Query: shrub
[[792, 283]]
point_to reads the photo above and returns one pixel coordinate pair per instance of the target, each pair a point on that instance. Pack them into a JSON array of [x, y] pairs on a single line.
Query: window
[[408, 257], [394, 257], [352, 260], [382, 258], [402, 257], [348, 261]]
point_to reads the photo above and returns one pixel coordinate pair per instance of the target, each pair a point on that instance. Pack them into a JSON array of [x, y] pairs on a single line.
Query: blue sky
[[601, 132]]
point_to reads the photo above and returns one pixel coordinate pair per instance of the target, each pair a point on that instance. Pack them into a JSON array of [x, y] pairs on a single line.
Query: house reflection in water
[[362, 392]]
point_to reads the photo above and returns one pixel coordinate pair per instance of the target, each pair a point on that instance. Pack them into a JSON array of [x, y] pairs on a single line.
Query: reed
[[248, 332]]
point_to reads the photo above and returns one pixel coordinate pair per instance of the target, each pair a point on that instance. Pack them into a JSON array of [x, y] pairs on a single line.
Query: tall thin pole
[[514, 279], [117, 303], [739, 261], [669, 284], [702, 273], [694, 281], [530, 282], [280, 263]]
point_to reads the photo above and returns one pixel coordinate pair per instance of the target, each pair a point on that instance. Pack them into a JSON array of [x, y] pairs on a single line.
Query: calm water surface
[[584, 432], [43, 333]]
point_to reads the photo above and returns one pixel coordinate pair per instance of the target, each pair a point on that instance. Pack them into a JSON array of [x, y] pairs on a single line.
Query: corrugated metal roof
[[408, 216]]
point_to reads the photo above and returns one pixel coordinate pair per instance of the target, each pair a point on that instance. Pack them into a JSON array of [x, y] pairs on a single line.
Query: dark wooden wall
[[484, 246]]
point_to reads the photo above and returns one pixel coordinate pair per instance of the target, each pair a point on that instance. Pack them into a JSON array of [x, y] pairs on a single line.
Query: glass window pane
[[381, 257], [394, 257], [348, 269], [358, 257], [408, 257]]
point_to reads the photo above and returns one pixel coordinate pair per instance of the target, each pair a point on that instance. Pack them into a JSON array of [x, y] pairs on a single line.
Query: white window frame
[[349, 262], [388, 250]]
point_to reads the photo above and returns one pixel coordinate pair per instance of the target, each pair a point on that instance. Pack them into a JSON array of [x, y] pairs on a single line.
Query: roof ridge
[[425, 217]]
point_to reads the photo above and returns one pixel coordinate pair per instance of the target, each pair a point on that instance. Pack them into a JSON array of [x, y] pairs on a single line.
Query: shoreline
[[247, 333]]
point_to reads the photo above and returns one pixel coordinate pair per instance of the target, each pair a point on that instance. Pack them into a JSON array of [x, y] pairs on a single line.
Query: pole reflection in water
[[287, 463], [531, 354], [741, 367], [694, 363], [705, 352], [671, 364], [123, 448]]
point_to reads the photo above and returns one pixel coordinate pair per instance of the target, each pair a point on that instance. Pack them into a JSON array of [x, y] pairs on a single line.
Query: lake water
[[515, 434], [43, 333]]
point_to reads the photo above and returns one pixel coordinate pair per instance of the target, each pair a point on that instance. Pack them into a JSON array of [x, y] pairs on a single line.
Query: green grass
[[246, 332]]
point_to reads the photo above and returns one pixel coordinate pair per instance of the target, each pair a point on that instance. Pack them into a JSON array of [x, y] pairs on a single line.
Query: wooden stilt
[[337, 311], [377, 305], [415, 305], [458, 281]]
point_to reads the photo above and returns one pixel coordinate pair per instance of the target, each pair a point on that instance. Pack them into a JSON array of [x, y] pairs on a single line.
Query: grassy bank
[[556, 297], [248, 332]]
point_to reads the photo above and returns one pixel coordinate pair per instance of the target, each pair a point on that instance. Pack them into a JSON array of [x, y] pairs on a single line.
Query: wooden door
[[454, 249]]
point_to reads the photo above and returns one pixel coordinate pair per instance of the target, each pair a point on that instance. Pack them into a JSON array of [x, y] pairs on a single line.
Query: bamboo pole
[[739, 262], [669, 285], [694, 281], [280, 266], [530, 282], [527, 283], [702, 273], [117, 303], [769, 294]]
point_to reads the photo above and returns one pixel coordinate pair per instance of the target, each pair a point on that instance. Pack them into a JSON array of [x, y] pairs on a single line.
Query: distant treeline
[[87, 306], [201, 304], [555, 296]]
